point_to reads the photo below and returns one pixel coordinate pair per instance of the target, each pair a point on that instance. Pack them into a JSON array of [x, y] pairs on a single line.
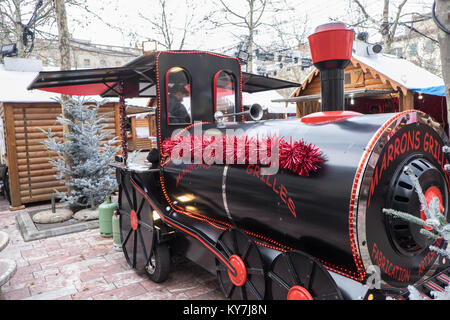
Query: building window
[[225, 94], [398, 52], [429, 47], [178, 96]]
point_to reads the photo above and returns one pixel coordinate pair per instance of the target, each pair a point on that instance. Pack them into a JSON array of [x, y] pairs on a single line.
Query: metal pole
[[53, 203], [123, 124], [91, 196]]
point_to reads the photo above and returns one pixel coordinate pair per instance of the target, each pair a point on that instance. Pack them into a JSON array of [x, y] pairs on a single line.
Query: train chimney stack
[[331, 50]]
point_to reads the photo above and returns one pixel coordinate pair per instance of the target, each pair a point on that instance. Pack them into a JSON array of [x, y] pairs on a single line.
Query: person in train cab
[[152, 159], [177, 111]]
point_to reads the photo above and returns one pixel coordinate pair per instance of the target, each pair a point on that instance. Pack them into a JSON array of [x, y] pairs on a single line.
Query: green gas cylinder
[[105, 214], [116, 232]]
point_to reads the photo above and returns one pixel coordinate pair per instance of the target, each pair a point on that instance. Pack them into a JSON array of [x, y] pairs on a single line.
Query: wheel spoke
[[127, 237], [143, 244], [309, 274], [220, 267], [134, 200], [247, 250], [256, 271], [278, 280], [225, 248], [125, 191], [243, 293], [134, 249], [254, 290], [138, 211], [235, 243], [291, 269], [230, 291]]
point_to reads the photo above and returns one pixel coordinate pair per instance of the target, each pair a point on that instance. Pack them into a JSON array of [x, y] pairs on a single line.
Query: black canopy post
[[123, 123]]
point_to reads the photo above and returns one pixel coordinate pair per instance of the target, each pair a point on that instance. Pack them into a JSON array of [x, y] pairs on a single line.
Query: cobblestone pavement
[[85, 266]]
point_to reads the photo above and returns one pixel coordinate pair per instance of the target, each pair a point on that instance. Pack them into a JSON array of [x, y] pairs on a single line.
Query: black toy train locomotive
[[312, 230]]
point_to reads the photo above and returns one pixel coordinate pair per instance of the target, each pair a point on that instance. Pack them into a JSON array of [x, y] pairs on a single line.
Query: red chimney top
[[331, 42]]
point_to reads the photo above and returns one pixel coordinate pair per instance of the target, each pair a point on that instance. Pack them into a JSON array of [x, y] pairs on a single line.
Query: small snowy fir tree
[[84, 154], [441, 230]]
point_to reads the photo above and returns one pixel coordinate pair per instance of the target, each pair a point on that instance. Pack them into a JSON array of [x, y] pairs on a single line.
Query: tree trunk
[[385, 27], [64, 52], [443, 16], [63, 34], [250, 38], [19, 30]]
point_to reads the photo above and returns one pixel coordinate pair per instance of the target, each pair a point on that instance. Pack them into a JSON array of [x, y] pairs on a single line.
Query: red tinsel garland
[[296, 156]]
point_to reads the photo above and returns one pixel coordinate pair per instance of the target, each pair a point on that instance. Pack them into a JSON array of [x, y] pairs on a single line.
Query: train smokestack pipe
[[331, 50]]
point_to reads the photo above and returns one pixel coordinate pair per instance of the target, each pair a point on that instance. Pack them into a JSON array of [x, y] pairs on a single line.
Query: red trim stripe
[[444, 278], [433, 286]]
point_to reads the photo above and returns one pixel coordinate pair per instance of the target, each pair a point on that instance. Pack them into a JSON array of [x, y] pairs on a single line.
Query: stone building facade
[[418, 44], [84, 54]]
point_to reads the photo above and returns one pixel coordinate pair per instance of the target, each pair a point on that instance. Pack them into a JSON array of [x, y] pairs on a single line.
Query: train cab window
[[225, 94], [179, 97]]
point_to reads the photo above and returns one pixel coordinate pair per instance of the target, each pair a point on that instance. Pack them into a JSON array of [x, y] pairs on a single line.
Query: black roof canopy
[[104, 81], [256, 83]]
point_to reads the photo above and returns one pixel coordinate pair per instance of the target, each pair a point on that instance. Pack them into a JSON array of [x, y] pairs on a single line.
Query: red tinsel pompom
[[295, 156]]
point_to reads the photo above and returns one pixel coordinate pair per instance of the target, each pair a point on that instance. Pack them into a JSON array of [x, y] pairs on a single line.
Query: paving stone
[[88, 289], [17, 294], [44, 273], [123, 293], [85, 266], [52, 294]]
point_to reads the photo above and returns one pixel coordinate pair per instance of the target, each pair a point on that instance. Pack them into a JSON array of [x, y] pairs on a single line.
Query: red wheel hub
[[432, 192], [133, 220], [241, 272], [299, 293]]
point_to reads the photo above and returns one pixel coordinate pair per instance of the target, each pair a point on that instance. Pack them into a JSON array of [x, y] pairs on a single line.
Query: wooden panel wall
[[30, 173], [143, 143]]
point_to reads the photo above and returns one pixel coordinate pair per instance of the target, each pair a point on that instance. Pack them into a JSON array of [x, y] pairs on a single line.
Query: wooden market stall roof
[[372, 75]]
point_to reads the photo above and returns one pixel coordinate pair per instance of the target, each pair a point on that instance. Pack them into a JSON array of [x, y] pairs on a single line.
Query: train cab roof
[[140, 76]]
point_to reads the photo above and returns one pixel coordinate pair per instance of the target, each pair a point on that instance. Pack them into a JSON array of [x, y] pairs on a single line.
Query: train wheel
[[136, 227], [249, 281], [294, 275]]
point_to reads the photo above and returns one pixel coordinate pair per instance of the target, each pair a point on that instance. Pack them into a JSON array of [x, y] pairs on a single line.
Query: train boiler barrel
[[336, 214]]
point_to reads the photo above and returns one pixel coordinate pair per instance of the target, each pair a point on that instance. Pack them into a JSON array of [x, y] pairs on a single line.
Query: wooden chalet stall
[[142, 135], [378, 83], [31, 176]]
